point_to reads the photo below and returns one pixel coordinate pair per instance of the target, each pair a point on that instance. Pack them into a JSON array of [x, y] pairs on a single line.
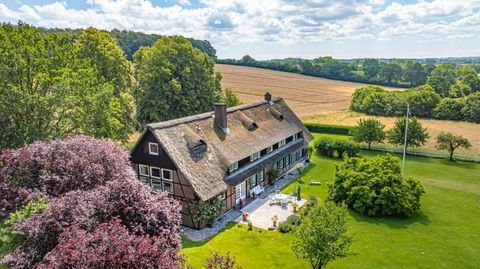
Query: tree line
[[396, 72]]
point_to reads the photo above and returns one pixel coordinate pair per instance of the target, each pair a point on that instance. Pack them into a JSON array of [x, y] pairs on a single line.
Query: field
[[307, 95], [443, 234], [327, 101]]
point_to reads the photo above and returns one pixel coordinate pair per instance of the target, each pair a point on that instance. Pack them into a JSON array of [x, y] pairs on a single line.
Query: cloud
[[265, 21]]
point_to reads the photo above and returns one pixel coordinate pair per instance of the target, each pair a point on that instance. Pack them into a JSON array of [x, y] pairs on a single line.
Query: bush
[[112, 218], [471, 111], [289, 224], [329, 129], [52, 169], [336, 147], [376, 187]]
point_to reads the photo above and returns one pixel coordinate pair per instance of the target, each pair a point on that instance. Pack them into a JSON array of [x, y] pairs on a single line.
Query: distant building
[[227, 154]]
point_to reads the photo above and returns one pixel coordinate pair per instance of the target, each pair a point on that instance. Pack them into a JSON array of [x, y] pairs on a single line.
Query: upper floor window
[[155, 172], [282, 143], [167, 174], [296, 136], [143, 170], [255, 156], [168, 187], [153, 148], [233, 167]]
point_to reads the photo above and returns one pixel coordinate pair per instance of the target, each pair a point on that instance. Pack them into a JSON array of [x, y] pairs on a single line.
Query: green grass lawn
[[445, 233]]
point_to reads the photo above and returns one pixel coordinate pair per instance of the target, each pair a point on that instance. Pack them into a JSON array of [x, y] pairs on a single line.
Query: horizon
[[405, 29]]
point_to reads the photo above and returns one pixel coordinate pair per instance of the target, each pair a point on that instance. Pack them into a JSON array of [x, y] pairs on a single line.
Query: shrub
[[218, 261], [328, 128], [336, 147], [376, 187], [471, 111], [150, 221], [288, 225], [52, 169]]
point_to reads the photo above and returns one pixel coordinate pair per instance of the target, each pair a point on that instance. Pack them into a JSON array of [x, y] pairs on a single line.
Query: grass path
[[443, 234]]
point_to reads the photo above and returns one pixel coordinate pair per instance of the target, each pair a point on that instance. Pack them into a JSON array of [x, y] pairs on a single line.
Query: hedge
[[329, 128]]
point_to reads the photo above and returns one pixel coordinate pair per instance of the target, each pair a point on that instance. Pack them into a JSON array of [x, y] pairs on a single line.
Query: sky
[[267, 29]]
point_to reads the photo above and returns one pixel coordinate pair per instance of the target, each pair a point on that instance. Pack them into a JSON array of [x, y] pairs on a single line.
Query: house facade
[[228, 154]]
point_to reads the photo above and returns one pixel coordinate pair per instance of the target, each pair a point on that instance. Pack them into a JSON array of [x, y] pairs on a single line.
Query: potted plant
[[295, 206], [274, 219], [254, 195], [240, 203], [245, 216]]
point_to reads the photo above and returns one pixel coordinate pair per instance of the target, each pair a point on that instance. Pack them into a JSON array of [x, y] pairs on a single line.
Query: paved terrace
[[259, 209]]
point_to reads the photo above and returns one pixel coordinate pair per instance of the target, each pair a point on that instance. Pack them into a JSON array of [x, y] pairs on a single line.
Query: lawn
[[443, 234]]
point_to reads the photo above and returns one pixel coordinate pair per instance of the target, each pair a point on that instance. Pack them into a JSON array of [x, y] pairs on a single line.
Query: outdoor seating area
[[261, 212], [257, 190]]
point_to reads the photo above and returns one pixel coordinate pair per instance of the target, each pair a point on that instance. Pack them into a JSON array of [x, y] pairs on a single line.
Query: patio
[[261, 211]]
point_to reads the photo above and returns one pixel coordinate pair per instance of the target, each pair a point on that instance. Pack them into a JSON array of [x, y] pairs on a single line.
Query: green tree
[[415, 74], [450, 142], [445, 70], [230, 98], [449, 109], [473, 81], [174, 80], [465, 71], [471, 110], [422, 100], [48, 91], [322, 235], [459, 90], [390, 72], [416, 135], [371, 67], [100, 50], [441, 85], [369, 131]]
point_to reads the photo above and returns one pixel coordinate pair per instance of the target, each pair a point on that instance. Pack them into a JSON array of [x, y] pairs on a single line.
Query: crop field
[[320, 100], [307, 95]]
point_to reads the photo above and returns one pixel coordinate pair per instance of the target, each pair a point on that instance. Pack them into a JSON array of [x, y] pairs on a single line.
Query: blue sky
[[268, 29]]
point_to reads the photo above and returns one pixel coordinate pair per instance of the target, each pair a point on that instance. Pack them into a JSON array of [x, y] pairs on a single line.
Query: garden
[[441, 234]]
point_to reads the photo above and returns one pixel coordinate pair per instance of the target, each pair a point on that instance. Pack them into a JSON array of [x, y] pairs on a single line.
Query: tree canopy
[[369, 131], [450, 142], [416, 136], [174, 80]]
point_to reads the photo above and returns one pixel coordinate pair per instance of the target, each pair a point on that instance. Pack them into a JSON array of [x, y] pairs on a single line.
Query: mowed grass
[[445, 233]]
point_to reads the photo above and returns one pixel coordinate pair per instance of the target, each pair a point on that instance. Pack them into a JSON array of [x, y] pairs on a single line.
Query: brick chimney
[[220, 112], [268, 97]]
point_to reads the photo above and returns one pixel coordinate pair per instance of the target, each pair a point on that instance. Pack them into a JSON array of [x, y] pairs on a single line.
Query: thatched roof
[[203, 152]]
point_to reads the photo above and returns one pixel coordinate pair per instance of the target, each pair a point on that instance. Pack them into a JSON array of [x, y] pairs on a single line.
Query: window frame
[[160, 172], [232, 167], [164, 189], [255, 156], [149, 181], [156, 182], [150, 144], [140, 170], [282, 143], [171, 174], [269, 149]]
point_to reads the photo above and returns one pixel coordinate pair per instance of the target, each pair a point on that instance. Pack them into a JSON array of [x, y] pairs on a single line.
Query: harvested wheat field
[[307, 95], [327, 101], [469, 130]]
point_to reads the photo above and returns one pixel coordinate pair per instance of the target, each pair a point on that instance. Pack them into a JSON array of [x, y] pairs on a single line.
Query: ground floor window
[[145, 180], [168, 186], [156, 184]]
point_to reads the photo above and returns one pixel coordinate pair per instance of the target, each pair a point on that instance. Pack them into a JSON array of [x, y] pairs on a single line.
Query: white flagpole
[[405, 141]]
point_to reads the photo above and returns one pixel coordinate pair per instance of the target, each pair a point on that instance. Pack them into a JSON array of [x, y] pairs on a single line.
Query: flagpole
[[405, 141]]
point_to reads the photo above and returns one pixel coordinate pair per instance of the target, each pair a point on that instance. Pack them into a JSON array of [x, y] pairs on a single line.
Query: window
[[282, 143], [145, 180], [255, 156], [143, 170], [153, 148], [221, 197], [253, 181], [260, 176], [269, 149], [281, 164], [233, 167], [155, 172], [157, 184], [168, 186], [167, 174], [296, 136], [287, 160]]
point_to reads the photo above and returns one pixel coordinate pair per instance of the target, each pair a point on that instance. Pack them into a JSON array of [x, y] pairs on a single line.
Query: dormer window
[[153, 148], [233, 167], [282, 143], [269, 149], [255, 156]]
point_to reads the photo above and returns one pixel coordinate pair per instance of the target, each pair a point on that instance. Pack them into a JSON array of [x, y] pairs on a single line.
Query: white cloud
[[266, 21]]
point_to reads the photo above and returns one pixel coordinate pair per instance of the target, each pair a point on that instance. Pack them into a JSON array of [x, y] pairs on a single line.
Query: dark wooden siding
[[140, 154]]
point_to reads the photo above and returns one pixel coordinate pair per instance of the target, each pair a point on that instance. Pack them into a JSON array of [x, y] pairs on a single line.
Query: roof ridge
[[206, 115]]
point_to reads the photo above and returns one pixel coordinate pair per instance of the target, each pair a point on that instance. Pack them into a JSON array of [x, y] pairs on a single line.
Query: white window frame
[[140, 170], [233, 167], [282, 143], [150, 144], [151, 173], [156, 182], [171, 175], [222, 196], [255, 156], [143, 179], [261, 177], [163, 186]]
